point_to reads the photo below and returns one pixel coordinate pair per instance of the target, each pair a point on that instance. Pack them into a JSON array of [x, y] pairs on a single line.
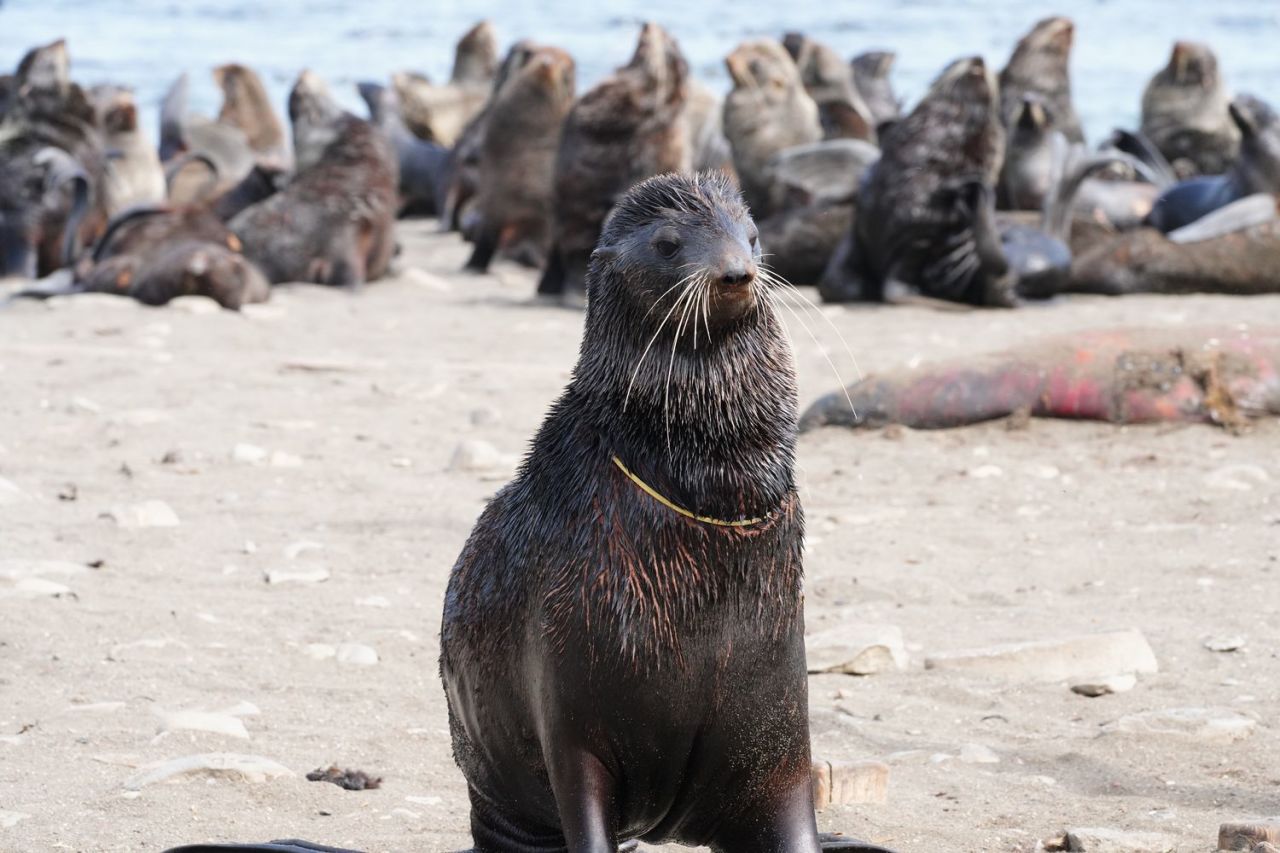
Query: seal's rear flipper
[[288, 845], [836, 841], [1248, 212]]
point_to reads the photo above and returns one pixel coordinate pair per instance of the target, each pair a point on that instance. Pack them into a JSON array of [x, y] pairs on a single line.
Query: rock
[[479, 456], [249, 454], [319, 651], [145, 514], [985, 472], [356, 654], [373, 601], [313, 574], [294, 549], [976, 753], [9, 819], [194, 305], [1211, 725], [1073, 659], [123, 652], [424, 801], [226, 722], [1232, 643], [39, 588], [1238, 478], [84, 404], [1100, 840], [856, 649], [250, 768], [1106, 686], [280, 459], [1247, 836]]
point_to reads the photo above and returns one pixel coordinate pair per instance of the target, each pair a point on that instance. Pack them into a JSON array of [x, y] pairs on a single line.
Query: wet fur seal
[[247, 107], [871, 77], [767, 110], [518, 155], [440, 113], [829, 81], [626, 128], [583, 601], [334, 223], [1040, 66], [424, 165], [1033, 147], [1185, 112], [133, 172]]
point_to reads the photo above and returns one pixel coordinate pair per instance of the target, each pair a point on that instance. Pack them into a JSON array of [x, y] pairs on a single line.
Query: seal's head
[[967, 80], [1192, 64], [676, 246], [46, 68], [475, 59]]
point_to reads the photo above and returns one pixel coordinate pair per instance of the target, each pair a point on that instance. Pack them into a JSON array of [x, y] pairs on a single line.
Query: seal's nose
[[737, 272]]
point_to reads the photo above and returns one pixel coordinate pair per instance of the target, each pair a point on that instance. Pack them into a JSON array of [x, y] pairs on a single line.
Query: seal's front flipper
[[836, 841], [288, 845]]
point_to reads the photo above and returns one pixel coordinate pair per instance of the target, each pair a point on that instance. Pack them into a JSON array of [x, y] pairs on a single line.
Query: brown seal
[[1185, 113], [767, 110], [181, 268], [871, 77], [1040, 66], [649, 547], [627, 128], [334, 224], [134, 175], [246, 106], [829, 81], [517, 158], [1034, 147], [440, 113]]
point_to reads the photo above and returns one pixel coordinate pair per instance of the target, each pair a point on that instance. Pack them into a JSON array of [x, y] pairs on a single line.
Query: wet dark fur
[[517, 157], [1040, 66], [602, 652], [624, 130], [334, 223], [924, 211]]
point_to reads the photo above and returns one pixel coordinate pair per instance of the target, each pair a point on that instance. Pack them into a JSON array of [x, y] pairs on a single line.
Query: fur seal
[[829, 81], [1256, 169], [201, 157], [704, 122], [652, 536], [246, 106], [314, 115], [334, 223], [926, 209], [440, 113], [133, 173], [1034, 147], [767, 110], [517, 157], [1185, 112], [871, 77], [423, 165], [627, 128], [1040, 65]]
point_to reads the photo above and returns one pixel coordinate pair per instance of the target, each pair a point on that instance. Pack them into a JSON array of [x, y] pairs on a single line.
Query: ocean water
[[145, 44]]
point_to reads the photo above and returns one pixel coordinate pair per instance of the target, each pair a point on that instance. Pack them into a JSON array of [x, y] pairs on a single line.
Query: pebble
[[124, 651], [280, 459], [401, 462], [1089, 656], [1232, 643], [199, 305], [16, 569], [424, 801], [373, 601], [294, 549], [1102, 840], [215, 722], [84, 404], [984, 472], [856, 649], [976, 753], [9, 819], [319, 651], [39, 588], [1106, 686], [479, 456], [485, 416], [250, 768], [1211, 725], [356, 654], [145, 514], [314, 574], [250, 454], [1238, 478]]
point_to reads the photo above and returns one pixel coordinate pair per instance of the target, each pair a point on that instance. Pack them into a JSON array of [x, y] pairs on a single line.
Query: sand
[[313, 437]]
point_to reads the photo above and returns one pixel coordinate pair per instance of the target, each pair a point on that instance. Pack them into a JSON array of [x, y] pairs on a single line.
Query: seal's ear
[[604, 253], [1243, 117]]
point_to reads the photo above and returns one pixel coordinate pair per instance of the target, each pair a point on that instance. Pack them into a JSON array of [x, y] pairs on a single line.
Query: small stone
[[1106, 686], [485, 416], [280, 459], [1072, 659], [1102, 840], [985, 472], [856, 649], [198, 305], [373, 601], [476, 455], [145, 514], [9, 819], [1211, 725], [314, 574], [356, 654], [250, 768], [40, 588], [1247, 836], [319, 651], [401, 462], [424, 801], [1232, 643], [17, 569], [214, 722], [249, 454], [1238, 478], [295, 549], [976, 753], [84, 404]]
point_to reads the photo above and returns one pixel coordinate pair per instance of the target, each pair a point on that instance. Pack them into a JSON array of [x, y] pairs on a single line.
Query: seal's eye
[[667, 248], [755, 240]]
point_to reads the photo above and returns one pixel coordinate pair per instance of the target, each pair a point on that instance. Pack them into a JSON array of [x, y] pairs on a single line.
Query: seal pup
[[627, 128], [871, 77], [1185, 113], [925, 219], [133, 172], [1040, 65], [247, 107], [517, 158], [829, 81], [440, 113], [649, 547], [1256, 169], [767, 110], [334, 223]]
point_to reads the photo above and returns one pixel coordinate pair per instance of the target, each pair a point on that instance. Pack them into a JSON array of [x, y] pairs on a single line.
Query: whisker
[[844, 388], [627, 399]]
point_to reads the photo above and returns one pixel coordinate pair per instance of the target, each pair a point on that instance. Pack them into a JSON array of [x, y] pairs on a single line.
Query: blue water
[[146, 43]]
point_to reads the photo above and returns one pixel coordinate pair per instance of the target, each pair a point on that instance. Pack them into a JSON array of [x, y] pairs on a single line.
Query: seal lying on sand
[[627, 128], [1223, 376], [767, 110], [649, 547], [1256, 170], [1184, 113], [517, 158], [1040, 66]]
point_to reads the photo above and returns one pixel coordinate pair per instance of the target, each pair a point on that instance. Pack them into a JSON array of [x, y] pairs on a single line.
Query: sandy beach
[[313, 441]]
